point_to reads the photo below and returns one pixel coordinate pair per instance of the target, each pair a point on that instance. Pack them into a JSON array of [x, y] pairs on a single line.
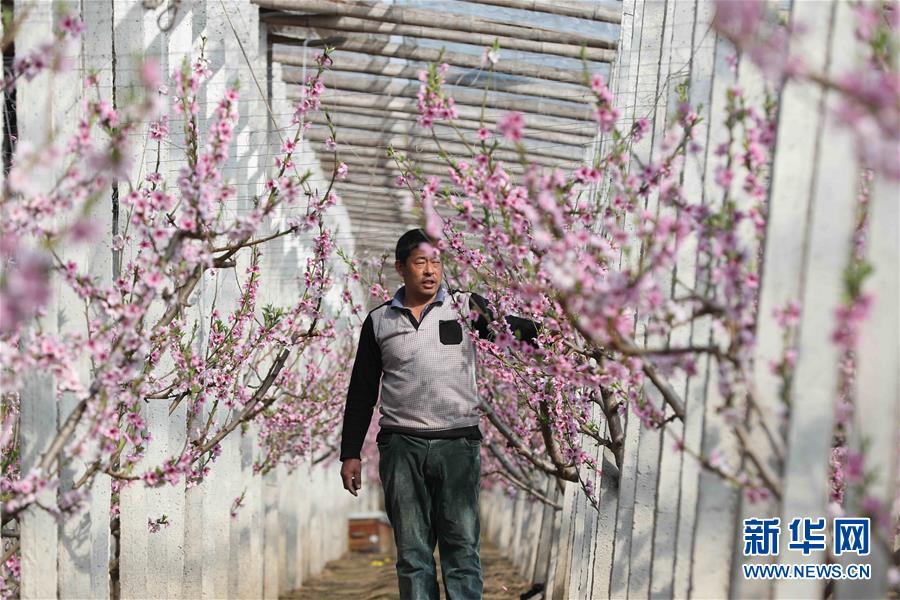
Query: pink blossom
[[24, 290], [724, 176], [738, 18], [606, 117], [511, 126], [151, 74], [587, 175], [72, 25], [150, 478], [640, 129]]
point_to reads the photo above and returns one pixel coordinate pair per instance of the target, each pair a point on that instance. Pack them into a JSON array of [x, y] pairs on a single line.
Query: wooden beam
[[369, 165], [526, 43], [374, 180], [410, 127], [429, 167], [355, 200], [376, 231], [363, 137], [374, 212], [359, 198], [578, 9], [377, 65], [383, 46], [394, 193], [376, 10], [392, 172], [344, 98], [344, 117], [473, 97], [370, 223], [379, 214]]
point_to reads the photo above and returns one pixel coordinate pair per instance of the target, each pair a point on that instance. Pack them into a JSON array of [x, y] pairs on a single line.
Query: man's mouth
[[428, 282]]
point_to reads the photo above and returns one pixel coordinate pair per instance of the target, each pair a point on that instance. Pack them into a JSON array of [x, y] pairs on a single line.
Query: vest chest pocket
[[450, 332]]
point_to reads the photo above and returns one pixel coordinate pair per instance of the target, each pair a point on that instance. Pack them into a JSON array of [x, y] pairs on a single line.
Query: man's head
[[419, 268]]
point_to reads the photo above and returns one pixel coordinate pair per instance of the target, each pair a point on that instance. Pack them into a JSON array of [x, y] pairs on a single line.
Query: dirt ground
[[366, 576]]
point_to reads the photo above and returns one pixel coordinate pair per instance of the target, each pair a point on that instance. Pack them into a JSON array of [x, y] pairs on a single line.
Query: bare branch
[[524, 487]]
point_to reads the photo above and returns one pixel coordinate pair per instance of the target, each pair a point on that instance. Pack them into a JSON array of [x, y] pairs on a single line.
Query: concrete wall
[[291, 523], [666, 527]]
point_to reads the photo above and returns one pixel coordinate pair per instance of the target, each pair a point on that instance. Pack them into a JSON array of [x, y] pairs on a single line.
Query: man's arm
[[524, 329], [362, 393]]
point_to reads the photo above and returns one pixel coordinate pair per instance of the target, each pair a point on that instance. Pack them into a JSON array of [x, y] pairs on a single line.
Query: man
[[415, 351]]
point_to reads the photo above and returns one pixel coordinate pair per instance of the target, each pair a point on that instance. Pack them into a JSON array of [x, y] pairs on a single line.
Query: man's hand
[[351, 470]]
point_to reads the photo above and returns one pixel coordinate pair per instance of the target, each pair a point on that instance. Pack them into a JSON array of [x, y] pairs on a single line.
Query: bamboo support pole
[[361, 63], [400, 87], [375, 10], [426, 167], [546, 123], [408, 126], [383, 46], [393, 193], [559, 155], [375, 212], [380, 236], [372, 180], [362, 167], [564, 8], [365, 197], [448, 34], [343, 117]]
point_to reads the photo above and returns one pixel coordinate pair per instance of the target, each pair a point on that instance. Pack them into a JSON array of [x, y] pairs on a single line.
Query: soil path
[[366, 576]]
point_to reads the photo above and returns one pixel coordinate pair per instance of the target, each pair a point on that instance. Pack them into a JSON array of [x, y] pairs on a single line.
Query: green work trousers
[[431, 496]]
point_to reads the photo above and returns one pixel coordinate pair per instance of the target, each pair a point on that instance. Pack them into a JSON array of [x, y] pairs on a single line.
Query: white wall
[[292, 523], [667, 528]]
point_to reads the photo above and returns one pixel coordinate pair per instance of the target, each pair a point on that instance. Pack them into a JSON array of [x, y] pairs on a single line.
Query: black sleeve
[[362, 394], [524, 329]]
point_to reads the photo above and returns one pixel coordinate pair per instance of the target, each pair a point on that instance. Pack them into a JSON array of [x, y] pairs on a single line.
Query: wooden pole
[[577, 9], [361, 101], [353, 158], [408, 126], [380, 45], [394, 194], [361, 63], [447, 34], [409, 89], [371, 158], [341, 115], [405, 15], [363, 137], [377, 211], [427, 169], [374, 180]]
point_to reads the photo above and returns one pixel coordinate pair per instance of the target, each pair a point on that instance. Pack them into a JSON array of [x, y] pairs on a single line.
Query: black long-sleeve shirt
[[368, 367]]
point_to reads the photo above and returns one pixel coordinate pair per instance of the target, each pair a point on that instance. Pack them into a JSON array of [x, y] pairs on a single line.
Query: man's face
[[421, 273]]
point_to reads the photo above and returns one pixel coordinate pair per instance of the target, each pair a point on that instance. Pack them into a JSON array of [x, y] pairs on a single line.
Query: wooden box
[[370, 532]]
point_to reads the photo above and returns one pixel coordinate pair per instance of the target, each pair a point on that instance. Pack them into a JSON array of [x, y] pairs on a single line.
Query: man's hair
[[408, 242]]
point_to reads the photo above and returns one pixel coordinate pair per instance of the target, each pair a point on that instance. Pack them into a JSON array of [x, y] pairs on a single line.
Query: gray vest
[[428, 381]]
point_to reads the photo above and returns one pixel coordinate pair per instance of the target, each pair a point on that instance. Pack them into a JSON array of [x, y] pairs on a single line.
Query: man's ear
[[399, 267]]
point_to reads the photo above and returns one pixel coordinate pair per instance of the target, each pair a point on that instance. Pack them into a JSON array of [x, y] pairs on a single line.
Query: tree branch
[[526, 488]]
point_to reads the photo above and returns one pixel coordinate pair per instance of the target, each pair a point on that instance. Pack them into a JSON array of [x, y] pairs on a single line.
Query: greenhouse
[[443, 298]]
